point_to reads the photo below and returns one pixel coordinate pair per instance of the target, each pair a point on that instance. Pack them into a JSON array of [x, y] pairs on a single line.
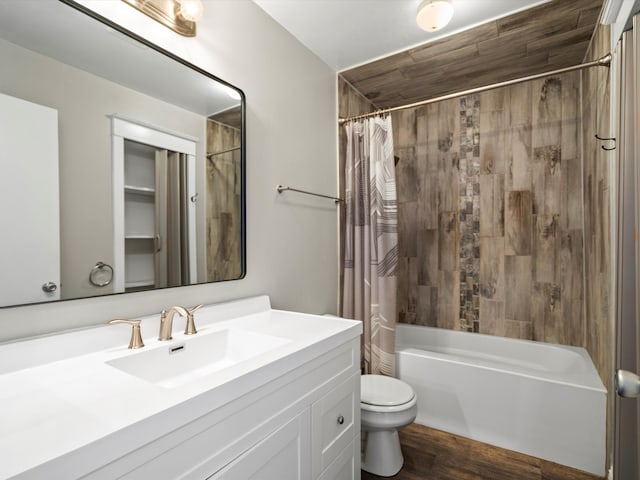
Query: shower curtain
[[172, 221], [371, 241]]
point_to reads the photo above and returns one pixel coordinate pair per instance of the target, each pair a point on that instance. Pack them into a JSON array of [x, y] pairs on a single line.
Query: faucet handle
[[165, 325], [192, 310], [136, 336], [190, 329]]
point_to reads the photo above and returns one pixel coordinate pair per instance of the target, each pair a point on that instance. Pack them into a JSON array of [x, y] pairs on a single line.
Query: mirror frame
[[243, 240]]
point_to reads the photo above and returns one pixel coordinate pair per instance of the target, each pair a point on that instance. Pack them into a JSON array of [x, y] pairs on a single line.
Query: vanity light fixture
[[434, 14], [191, 10], [178, 15]]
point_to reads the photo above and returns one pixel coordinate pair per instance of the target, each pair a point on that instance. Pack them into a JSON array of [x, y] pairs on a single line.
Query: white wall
[[291, 139]]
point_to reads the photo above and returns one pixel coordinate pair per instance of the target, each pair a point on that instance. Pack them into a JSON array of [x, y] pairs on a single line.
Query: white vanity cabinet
[[256, 394], [303, 425]]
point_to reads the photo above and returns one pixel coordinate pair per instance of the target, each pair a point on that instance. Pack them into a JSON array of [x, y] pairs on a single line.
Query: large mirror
[[122, 166]]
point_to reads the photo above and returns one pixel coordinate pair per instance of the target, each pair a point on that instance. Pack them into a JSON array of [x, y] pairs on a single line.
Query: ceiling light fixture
[[178, 15], [434, 14]]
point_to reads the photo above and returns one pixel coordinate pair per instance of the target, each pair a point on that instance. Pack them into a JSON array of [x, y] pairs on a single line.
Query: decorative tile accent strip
[[470, 213]]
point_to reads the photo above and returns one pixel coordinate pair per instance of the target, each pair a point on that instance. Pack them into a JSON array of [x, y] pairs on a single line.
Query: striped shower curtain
[[371, 240]]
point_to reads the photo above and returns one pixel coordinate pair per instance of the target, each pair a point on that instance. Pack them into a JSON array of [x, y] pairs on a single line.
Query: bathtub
[[535, 398]]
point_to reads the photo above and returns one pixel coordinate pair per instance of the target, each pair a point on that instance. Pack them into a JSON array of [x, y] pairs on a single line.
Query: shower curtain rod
[[601, 62], [213, 154]]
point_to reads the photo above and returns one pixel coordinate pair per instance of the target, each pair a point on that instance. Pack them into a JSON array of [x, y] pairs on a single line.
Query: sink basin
[[181, 362]]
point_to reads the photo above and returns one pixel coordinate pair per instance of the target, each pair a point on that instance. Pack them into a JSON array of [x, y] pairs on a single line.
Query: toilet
[[386, 404]]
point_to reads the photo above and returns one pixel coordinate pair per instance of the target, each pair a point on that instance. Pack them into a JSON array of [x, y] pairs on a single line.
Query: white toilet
[[386, 404]]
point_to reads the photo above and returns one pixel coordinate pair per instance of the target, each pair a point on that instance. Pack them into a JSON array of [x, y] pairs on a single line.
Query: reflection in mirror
[[122, 164]]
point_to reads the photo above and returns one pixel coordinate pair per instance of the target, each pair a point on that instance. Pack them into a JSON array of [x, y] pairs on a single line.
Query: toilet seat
[[379, 393]]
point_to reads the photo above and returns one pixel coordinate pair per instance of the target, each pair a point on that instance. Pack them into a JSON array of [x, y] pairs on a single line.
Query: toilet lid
[[385, 391]]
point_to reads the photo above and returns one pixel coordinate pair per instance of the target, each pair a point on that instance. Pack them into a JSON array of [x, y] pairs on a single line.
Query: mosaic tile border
[[470, 213]]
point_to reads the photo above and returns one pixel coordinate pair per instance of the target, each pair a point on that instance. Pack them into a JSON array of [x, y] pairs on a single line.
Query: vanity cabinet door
[[283, 455], [335, 421], [347, 465]]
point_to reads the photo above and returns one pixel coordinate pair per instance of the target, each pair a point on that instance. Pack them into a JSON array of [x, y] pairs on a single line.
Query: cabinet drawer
[[347, 465], [335, 421]]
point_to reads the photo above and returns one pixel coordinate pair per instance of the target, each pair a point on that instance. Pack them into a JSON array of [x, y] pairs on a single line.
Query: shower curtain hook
[[610, 139]]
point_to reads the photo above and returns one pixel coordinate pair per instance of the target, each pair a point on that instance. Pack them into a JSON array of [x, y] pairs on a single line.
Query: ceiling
[[378, 48], [346, 33]]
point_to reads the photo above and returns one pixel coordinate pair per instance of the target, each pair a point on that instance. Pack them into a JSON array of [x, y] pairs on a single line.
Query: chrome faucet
[[166, 321]]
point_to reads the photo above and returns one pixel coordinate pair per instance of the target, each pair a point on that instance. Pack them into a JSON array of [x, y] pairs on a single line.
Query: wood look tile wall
[[597, 222], [223, 203], [490, 212]]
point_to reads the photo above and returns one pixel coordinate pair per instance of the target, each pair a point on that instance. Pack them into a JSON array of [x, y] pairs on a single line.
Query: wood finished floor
[[434, 455]]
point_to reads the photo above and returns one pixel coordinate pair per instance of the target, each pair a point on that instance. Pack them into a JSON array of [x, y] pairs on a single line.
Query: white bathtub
[[536, 398]]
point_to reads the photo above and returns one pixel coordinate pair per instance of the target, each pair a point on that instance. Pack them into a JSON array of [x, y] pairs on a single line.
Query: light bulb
[[191, 10], [434, 14]]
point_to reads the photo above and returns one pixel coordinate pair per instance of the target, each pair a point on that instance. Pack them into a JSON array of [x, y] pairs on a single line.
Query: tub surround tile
[[545, 247], [427, 243], [408, 172], [427, 304], [407, 230], [492, 320], [492, 260], [491, 213], [519, 104], [518, 220], [448, 300], [493, 203], [572, 205], [547, 179], [518, 157], [448, 241], [570, 266], [547, 111], [517, 272], [469, 207], [597, 249], [407, 132], [402, 300]]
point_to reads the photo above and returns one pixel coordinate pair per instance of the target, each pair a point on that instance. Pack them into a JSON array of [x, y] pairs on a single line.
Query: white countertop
[[74, 413]]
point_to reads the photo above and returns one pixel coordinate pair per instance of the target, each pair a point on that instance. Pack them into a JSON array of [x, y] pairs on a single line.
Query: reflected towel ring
[[101, 275], [610, 139]]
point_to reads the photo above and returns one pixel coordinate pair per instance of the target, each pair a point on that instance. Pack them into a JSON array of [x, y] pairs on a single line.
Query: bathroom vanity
[[256, 393]]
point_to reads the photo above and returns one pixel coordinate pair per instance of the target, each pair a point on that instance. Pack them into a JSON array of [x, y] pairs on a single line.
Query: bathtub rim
[[588, 379]]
